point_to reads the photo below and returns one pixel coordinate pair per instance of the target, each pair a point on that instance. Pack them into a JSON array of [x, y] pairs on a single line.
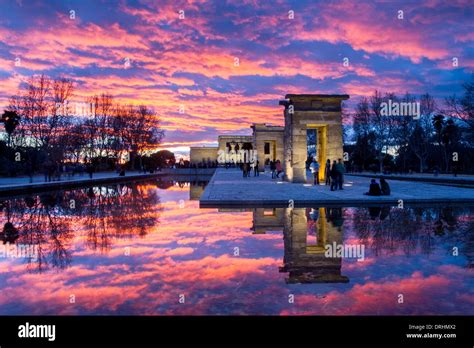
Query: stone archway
[[303, 111]]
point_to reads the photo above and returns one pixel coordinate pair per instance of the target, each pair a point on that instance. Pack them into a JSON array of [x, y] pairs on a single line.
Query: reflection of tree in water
[[121, 211], [387, 230], [9, 234], [41, 223], [468, 246], [102, 213]]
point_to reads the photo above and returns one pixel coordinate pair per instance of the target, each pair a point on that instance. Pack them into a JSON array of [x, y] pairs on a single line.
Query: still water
[[148, 249]]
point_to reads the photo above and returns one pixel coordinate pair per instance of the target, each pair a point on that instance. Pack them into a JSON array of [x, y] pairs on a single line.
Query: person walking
[[327, 172], [278, 168], [255, 168], [273, 168], [314, 167], [90, 170], [46, 170], [334, 176], [340, 173]]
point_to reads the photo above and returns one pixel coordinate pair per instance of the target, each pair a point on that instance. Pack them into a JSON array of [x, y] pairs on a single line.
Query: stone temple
[[313, 127]]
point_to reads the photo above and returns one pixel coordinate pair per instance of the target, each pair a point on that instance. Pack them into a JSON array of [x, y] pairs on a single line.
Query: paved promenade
[[229, 188], [441, 178]]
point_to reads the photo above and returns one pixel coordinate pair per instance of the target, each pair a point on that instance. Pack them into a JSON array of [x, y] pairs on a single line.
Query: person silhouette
[[374, 189]]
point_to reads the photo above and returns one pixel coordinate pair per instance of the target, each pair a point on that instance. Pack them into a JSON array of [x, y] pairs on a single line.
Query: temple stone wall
[[263, 222], [197, 154], [306, 263], [289, 143], [195, 192], [334, 142], [303, 111], [234, 139], [263, 133]]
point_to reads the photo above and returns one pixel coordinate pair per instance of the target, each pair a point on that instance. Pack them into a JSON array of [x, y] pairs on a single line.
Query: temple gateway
[[313, 127]]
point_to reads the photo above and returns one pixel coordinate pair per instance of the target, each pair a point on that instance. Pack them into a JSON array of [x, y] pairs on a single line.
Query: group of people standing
[[276, 168], [247, 169], [334, 175], [53, 170]]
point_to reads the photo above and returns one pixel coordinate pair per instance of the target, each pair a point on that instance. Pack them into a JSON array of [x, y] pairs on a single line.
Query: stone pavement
[[441, 178], [229, 188]]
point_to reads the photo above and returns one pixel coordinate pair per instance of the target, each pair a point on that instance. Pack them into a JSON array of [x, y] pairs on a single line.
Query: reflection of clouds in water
[[422, 295], [188, 250], [99, 215]]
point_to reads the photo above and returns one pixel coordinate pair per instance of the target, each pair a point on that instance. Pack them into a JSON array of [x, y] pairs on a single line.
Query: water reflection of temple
[[196, 184], [268, 219], [305, 233], [196, 189]]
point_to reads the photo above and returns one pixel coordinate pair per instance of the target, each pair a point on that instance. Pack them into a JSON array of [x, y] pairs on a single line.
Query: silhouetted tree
[[10, 121], [463, 107]]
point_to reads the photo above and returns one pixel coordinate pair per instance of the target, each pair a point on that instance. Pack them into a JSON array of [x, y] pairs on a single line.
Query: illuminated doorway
[[316, 144]]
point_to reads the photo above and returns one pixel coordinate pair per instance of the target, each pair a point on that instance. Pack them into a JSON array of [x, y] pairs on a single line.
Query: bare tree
[[362, 117], [404, 126], [144, 130], [420, 139], [102, 113], [382, 125], [42, 106], [51, 128], [463, 107]]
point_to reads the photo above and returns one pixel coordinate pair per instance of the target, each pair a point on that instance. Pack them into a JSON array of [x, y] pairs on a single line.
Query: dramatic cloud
[[228, 63]]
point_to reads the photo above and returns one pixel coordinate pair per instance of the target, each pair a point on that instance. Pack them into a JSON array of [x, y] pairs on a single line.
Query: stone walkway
[[229, 188], [441, 178]]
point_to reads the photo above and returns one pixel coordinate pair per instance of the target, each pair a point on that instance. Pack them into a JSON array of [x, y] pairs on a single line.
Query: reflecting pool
[[148, 249]]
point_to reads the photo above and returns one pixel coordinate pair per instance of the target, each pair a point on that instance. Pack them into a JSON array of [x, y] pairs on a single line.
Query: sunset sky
[[190, 62]]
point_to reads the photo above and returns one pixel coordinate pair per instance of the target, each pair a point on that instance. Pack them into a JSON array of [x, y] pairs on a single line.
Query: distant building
[[266, 139], [313, 126]]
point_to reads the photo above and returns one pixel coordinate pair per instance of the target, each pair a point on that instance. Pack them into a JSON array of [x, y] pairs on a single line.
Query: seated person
[[384, 187], [374, 189]]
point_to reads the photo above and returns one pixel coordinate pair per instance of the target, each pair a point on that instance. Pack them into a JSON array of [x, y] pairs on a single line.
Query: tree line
[[45, 127], [439, 138]]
